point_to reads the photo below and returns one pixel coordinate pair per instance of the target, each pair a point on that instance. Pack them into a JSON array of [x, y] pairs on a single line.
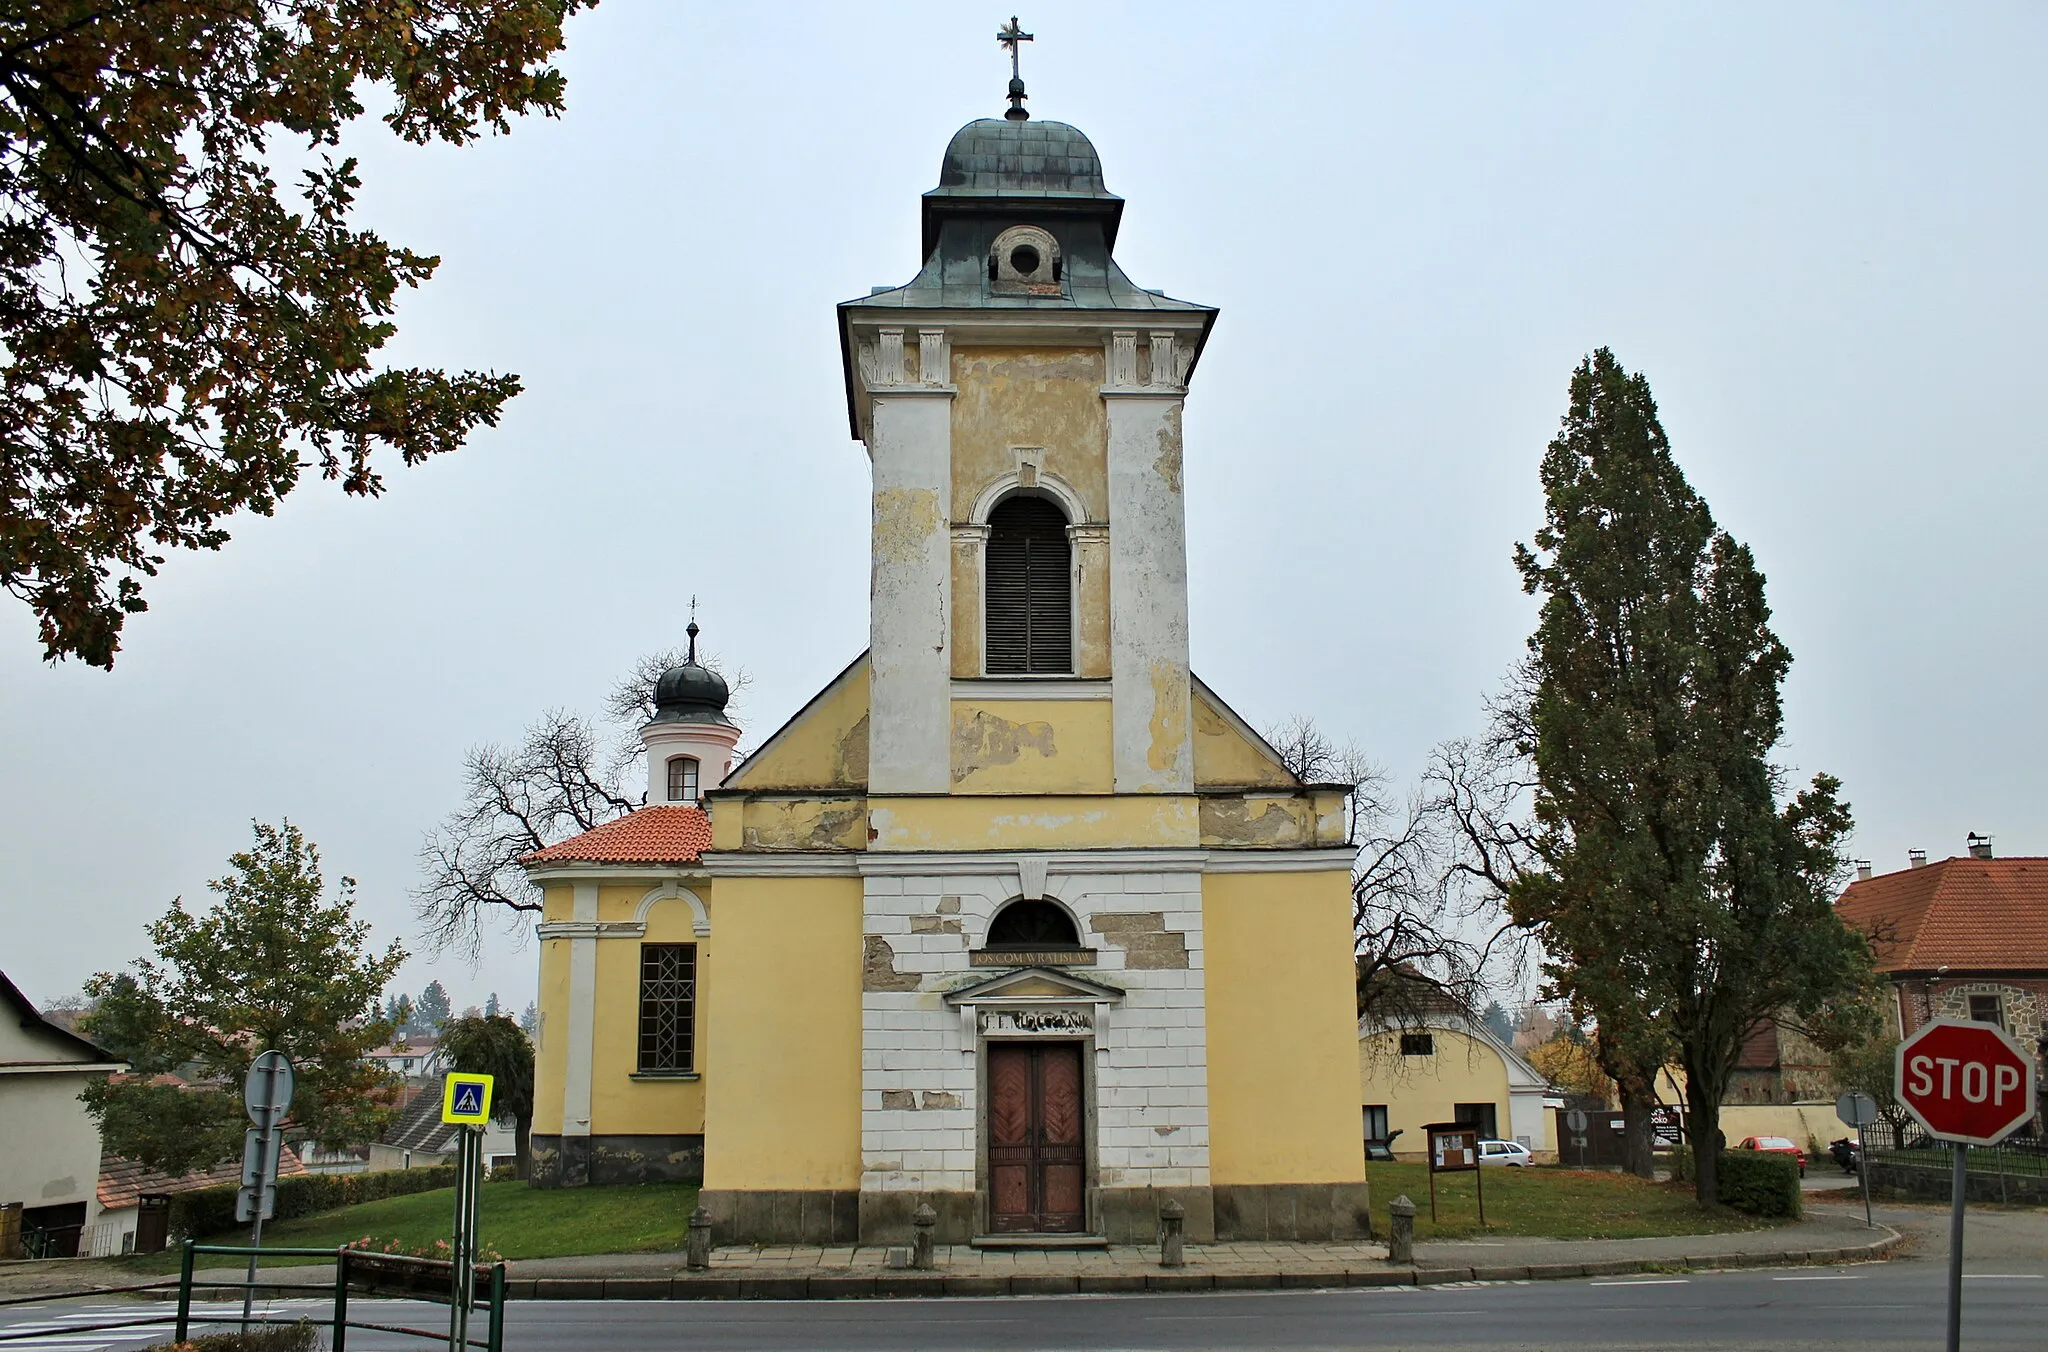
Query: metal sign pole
[[1479, 1181], [1957, 1190], [1863, 1174], [262, 1185], [462, 1284]]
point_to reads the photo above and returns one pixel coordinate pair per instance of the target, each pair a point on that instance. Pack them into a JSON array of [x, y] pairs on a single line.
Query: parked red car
[[1775, 1145]]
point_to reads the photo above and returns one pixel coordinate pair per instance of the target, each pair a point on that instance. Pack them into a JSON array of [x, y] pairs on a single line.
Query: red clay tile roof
[[653, 835], [1965, 914], [122, 1182]]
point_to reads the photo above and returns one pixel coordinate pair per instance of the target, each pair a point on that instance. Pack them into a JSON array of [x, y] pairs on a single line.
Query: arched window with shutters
[[1028, 589]]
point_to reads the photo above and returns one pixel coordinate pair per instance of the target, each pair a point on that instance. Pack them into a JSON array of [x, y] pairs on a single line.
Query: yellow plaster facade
[[1417, 1090], [1280, 1021], [789, 1118], [1031, 746]]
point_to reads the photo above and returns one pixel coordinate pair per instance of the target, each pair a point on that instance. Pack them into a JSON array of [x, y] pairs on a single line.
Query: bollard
[[1401, 1236], [697, 1252], [1172, 1220], [923, 1221]]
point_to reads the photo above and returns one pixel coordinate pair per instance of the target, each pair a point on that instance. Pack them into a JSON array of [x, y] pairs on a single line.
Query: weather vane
[[1013, 38]]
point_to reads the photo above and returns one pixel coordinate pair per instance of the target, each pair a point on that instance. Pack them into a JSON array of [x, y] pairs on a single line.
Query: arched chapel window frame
[[1052, 489], [1068, 937], [687, 773]]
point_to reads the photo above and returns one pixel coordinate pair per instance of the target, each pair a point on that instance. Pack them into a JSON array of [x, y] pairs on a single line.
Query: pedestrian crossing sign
[[466, 1100]]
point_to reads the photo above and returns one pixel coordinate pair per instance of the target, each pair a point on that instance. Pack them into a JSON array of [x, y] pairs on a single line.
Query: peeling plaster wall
[[1031, 746], [1258, 820], [969, 542], [1043, 823], [825, 747], [919, 1080], [1019, 406], [909, 604], [800, 824], [1148, 594], [1048, 399], [1225, 757]]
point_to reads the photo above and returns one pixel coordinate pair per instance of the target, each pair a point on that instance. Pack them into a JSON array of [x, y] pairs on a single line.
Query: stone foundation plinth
[[573, 1161], [1293, 1211]]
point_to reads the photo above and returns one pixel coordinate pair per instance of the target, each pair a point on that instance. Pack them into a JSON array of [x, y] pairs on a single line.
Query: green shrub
[[1679, 1160], [207, 1212], [1758, 1182]]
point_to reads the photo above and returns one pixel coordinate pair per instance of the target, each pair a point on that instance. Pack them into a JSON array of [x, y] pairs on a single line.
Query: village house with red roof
[[1960, 938]]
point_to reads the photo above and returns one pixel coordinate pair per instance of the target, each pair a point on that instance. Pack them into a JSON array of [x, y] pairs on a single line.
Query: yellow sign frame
[[453, 1086]]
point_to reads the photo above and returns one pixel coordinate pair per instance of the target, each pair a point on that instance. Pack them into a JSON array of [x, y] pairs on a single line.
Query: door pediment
[[1035, 985]]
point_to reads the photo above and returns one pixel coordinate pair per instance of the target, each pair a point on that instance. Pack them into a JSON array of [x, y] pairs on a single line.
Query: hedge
[[1759, 1182], [205, 1212]]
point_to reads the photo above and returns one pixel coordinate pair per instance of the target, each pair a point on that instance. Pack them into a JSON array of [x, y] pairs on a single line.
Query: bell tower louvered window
[[1029, 590]]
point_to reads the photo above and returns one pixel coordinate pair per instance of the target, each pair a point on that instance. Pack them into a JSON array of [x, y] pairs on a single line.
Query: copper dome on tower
[[691, 692]]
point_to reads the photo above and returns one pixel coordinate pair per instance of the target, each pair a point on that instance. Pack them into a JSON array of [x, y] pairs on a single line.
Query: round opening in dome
[[1025, 259]]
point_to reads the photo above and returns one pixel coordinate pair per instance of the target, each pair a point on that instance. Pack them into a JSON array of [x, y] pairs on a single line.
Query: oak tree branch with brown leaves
[[181, 336]]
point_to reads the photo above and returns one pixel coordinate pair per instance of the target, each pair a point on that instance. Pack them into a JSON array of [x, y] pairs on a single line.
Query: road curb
[[897, 1284]]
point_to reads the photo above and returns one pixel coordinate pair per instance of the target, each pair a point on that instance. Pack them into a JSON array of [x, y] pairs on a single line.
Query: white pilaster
[[1148, 589], [582, 1040], [909, 595]]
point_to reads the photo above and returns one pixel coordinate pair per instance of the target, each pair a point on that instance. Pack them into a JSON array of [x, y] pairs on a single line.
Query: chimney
[[1980, 846], [1916, 859], [1862, 870]]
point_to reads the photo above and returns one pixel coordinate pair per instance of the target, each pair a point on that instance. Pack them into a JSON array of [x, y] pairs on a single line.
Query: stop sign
[[1965, 1081]]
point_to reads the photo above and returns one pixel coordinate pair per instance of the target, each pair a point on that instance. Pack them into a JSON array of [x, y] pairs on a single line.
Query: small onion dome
[[690, 693]]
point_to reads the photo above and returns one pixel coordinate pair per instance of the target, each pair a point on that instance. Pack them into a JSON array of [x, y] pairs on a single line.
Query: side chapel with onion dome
[[1016, 918]]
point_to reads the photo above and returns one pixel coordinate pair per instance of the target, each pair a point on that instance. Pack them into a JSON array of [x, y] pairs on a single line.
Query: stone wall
[[558, 1162]]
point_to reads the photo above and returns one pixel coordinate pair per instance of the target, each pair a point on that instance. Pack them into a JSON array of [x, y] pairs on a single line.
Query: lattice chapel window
[[682, 779], [668, 1009], [1029, 590]]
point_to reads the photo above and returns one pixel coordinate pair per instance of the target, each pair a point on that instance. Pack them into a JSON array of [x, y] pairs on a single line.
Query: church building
[[1016, 918]]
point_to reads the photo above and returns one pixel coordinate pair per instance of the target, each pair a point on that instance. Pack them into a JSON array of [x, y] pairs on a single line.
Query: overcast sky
[[1817, 230]]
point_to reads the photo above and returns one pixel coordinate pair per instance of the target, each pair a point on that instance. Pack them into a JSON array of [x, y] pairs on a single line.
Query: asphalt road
[[1874, 1306]]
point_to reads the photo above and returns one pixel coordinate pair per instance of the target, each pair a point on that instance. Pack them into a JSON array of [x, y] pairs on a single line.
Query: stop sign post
[[1969, 1084]]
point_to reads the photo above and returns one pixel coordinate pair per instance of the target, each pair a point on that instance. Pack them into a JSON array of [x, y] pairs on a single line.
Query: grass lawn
[[518, 1221], [1559, 1203]]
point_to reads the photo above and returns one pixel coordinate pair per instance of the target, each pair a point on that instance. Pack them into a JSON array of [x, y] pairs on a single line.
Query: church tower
[[1016, 919], [1021, 400]]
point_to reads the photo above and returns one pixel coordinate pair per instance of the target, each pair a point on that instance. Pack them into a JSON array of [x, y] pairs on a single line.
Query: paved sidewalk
[[791, 1272]]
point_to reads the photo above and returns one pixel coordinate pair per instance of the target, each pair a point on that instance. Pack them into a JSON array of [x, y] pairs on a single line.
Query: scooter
[[1845, 1154]]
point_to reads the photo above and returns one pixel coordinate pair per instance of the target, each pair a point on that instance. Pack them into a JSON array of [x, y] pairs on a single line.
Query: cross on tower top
[[1013, 38]]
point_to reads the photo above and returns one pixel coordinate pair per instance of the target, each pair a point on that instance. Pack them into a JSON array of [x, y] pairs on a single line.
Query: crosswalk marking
[[59, 1331]]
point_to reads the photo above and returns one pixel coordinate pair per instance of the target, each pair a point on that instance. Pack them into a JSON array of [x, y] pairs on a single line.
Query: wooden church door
[[1036, 1155]]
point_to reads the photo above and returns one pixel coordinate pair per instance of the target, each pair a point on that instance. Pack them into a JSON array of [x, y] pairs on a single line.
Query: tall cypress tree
[[1681, 901]]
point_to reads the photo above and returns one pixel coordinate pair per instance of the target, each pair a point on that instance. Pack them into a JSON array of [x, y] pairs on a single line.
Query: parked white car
[[1507, 1154]]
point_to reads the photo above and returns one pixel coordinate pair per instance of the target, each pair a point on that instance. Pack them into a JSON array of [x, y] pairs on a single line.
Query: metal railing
[[1908, 1146], [381, 1276]]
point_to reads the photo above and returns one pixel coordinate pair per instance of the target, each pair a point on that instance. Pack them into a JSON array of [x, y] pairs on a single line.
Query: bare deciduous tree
[[568, 774], [1427, 885]]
